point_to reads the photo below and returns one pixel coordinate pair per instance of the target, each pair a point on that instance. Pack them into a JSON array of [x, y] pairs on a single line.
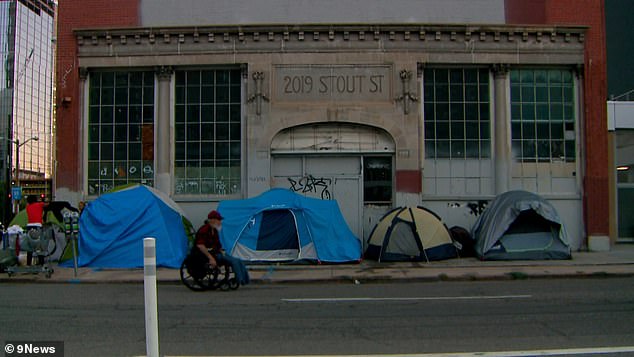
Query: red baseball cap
[[214, 215]]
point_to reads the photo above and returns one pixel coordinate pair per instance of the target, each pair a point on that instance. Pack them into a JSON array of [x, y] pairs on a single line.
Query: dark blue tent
[[112, 228], [280, 225]]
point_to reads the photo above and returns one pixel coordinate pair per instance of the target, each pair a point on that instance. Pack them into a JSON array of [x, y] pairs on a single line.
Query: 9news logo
[[34, 348]]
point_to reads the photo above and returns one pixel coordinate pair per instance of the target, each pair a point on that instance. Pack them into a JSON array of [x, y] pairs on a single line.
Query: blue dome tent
[[112, 228], [280, 225]]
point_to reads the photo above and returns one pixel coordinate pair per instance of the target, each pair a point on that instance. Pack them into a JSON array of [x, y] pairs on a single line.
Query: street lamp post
[[18, 145]]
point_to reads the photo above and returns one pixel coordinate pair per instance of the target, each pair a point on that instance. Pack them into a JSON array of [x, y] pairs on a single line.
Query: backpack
[[463, 241]]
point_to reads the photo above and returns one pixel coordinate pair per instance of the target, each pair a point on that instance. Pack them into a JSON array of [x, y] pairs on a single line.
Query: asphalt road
[[323, 319]]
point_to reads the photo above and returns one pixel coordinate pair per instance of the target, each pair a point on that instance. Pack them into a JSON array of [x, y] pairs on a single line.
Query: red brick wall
[[76, 14], [525, 11], [596, 184], [589, 13]]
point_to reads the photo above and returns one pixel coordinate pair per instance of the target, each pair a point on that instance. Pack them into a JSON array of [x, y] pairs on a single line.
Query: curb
[[437, 275]]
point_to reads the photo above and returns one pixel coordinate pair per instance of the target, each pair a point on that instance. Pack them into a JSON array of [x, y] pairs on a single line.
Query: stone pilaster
[[501, 128], [163, 177]]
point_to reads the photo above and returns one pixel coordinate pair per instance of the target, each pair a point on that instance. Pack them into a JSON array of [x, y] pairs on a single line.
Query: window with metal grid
[[120, 129], [457, 113], [543, 115], [207, 132], [457, 124]]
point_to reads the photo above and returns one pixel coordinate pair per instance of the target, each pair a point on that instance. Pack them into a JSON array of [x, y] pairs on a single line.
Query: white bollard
[[151, 310]]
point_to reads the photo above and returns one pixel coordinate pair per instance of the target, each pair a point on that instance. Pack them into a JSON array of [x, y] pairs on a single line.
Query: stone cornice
[[290, 38], [326, 29]]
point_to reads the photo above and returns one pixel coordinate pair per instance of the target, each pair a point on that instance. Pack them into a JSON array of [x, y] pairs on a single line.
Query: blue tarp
[[263, 228], [112, 228]]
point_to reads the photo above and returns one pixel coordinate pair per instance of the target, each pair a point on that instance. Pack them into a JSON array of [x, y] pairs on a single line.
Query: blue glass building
[[27, 30]]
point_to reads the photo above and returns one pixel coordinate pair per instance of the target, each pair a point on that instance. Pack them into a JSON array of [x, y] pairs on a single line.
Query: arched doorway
[[350, 163]]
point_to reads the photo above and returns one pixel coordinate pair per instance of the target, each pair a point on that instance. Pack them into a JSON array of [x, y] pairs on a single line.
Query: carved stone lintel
[[164, 73]]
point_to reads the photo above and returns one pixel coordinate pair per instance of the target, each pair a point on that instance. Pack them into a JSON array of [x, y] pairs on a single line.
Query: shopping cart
[[38, 242]]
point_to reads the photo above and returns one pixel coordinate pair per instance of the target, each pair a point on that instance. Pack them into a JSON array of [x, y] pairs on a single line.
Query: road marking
[[556, 352], [370, 299]]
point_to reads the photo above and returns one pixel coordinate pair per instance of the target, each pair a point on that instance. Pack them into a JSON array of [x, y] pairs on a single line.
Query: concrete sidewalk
[[619, 261]]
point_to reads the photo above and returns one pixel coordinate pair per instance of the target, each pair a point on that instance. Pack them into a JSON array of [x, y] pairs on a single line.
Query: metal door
[[325, 177]]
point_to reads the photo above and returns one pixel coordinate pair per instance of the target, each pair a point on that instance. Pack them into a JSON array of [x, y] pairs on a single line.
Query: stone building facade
[[372, 112]]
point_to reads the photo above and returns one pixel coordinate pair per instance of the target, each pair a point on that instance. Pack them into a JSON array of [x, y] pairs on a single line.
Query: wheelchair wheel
[[224, 285], [232, 278], [227, 278], [233, 284], [207, 282]]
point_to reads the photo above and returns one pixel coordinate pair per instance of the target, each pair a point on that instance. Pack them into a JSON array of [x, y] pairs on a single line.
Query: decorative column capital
[[420, 68], [164, 73], [500, 69], [83, 73], [579, 71]]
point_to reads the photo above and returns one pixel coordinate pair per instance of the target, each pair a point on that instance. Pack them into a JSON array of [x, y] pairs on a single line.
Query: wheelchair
[[202, 277]]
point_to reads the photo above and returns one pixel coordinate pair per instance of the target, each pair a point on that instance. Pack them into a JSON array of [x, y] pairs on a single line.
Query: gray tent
[[520, 225]]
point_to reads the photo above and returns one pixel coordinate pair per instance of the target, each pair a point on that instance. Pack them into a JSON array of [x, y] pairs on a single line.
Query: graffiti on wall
[[312, 184], [67, 71], [474, 208], [219, 186]]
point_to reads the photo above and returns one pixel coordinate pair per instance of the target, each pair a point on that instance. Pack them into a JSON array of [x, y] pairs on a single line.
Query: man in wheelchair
[[208, 251]]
